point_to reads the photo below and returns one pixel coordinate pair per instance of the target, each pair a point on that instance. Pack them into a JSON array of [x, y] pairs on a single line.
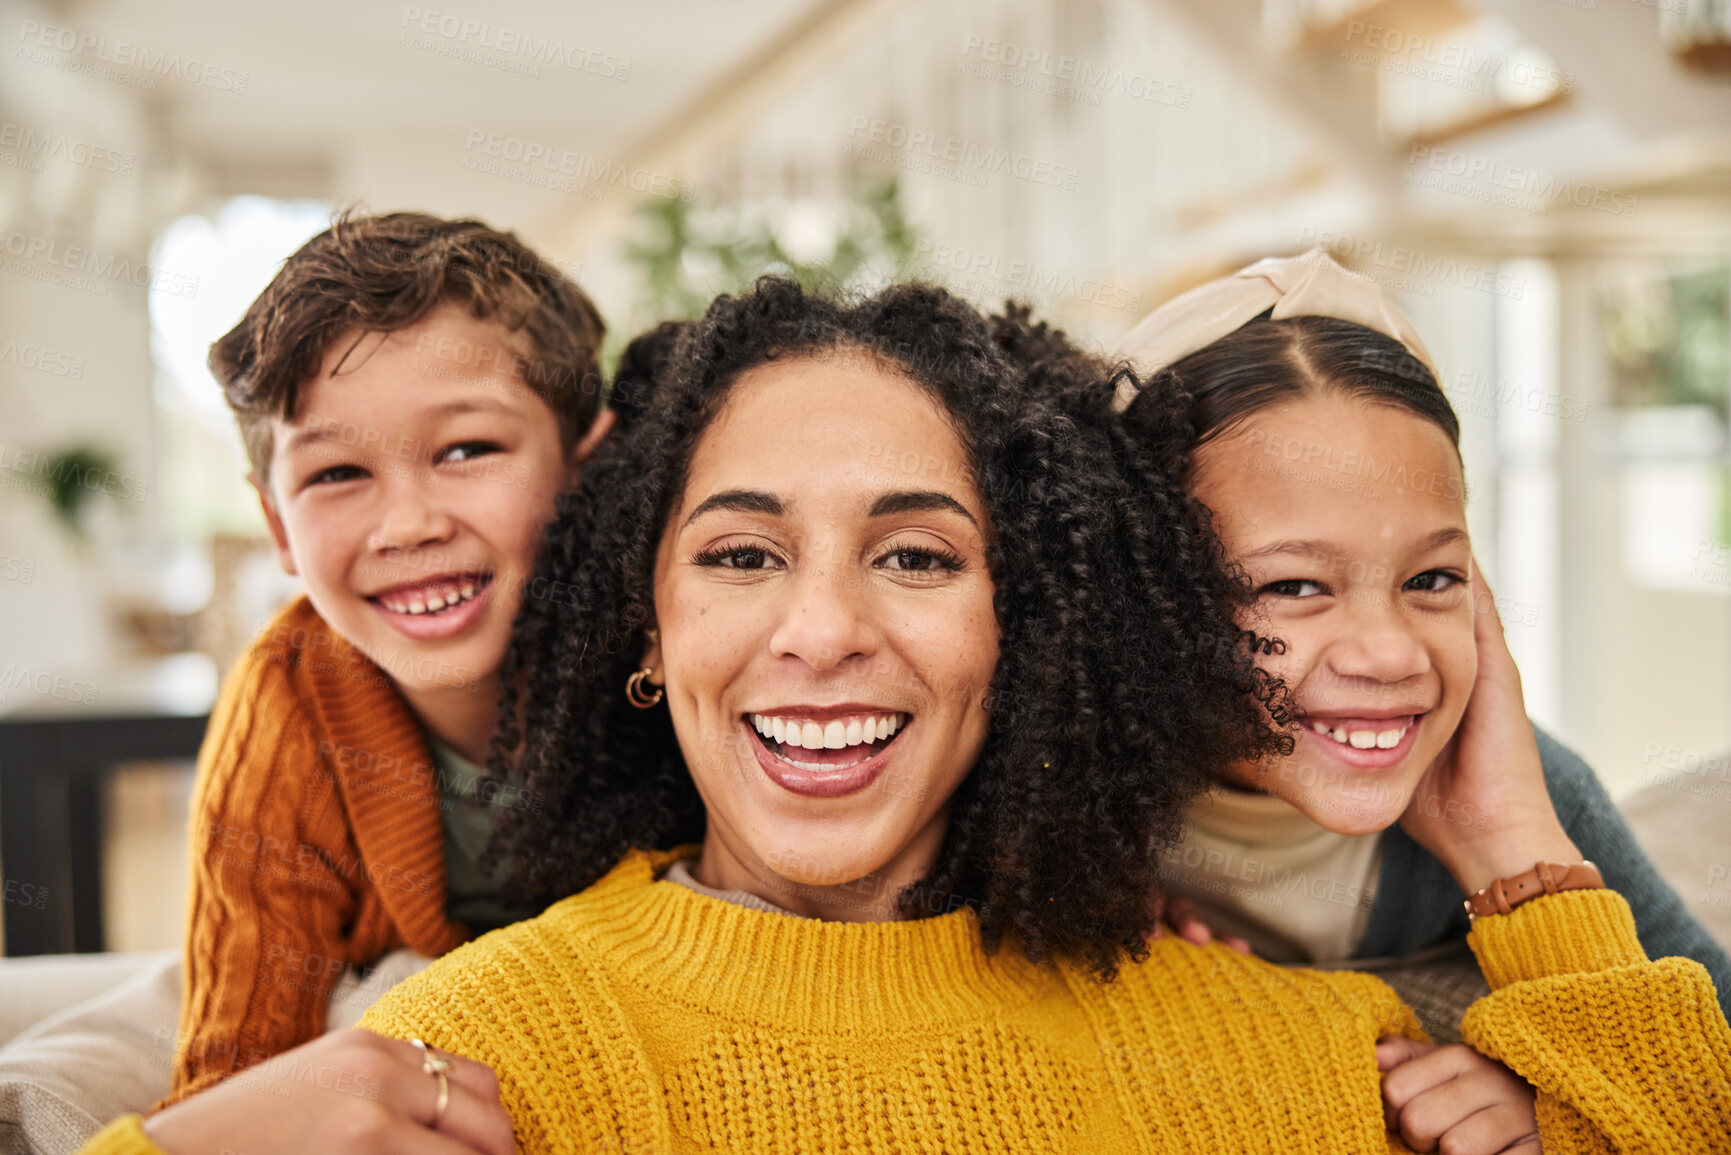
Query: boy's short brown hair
[[385, 273]]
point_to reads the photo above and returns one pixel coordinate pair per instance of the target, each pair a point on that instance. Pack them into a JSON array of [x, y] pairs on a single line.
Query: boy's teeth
[[432, 603], [1362, 739], [834, 735], [1389, 739]]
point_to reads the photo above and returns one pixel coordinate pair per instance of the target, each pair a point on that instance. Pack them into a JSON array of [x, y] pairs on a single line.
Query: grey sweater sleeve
[[1418, 905]]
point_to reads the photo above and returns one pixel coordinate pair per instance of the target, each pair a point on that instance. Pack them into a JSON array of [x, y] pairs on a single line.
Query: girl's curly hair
[[1121, 684]]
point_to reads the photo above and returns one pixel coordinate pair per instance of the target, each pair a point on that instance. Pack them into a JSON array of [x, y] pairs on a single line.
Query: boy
[[413, 393]]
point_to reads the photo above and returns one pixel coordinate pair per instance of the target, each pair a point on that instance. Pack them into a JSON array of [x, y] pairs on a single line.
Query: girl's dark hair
[[1267, 361], [1121, 685]]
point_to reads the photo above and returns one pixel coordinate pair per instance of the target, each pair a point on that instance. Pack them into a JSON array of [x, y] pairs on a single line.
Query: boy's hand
[[1184, 917], [1453, 1099]]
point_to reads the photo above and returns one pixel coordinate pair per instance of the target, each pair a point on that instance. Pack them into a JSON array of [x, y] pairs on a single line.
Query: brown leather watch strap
[[1505, 894]]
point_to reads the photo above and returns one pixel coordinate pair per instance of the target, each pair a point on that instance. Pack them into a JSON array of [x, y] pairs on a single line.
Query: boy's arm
[[1626, 1054], [1596, 825], [271, 893]]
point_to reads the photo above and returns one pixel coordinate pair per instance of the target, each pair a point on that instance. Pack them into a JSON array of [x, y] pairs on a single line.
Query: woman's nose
[[824, 621]]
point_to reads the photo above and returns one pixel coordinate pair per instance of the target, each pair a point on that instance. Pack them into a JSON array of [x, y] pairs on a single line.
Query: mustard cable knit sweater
[[640, 1016]]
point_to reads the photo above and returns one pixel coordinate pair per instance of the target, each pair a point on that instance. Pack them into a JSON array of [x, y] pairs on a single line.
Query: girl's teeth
[[1364, 739]]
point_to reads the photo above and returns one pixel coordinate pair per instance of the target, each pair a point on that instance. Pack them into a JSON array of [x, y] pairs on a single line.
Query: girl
[[1306, 415], [855, 785]]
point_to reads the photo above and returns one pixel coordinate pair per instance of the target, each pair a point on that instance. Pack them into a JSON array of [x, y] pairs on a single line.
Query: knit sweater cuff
[[1575, 932], [124, 1136]]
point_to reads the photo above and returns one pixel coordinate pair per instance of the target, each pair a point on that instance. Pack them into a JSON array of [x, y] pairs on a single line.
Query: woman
[[889, 641]]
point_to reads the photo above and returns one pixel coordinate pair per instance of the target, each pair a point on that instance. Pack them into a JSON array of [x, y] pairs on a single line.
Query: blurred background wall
[[1545, 185]]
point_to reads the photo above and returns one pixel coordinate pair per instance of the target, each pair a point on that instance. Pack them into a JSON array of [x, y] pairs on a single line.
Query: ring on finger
[[433, 1063]]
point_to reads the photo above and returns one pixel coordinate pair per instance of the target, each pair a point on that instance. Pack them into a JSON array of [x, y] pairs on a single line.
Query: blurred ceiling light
[[1697, 32]]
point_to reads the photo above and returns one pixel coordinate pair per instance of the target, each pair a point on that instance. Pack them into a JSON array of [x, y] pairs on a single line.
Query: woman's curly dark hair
[[1121, 685]]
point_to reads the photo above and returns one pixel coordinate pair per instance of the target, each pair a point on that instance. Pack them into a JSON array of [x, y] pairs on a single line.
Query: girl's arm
[[1661, 919], [1418, 905]]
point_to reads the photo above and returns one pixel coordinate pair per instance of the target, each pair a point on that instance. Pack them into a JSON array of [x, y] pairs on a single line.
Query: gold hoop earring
[[634, 690]]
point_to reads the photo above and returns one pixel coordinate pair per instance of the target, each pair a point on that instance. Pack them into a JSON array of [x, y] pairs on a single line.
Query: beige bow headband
[[1311, 285]]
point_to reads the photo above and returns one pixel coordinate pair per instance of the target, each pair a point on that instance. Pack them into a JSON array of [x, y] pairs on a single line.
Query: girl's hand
[[1482, 807], [1454, 1099], [344, 1092], [1184, 918]]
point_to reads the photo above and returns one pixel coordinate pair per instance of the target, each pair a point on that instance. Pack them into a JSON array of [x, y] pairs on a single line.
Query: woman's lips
[[1369, 743], [470, 596], [840, 760]]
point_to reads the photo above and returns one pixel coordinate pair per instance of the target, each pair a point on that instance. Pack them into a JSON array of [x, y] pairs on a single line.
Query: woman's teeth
[[431, 602], [1364, 739], [834, 735]]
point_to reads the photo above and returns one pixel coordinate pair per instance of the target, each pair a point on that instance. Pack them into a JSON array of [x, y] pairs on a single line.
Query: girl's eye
[[1434, 581], [737, 557], [919, 560], [468, 451], [334, 474], [1292, 588]]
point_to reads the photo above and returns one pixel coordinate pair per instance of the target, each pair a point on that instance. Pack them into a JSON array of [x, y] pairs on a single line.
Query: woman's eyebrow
[[739, 501], [918, 501]]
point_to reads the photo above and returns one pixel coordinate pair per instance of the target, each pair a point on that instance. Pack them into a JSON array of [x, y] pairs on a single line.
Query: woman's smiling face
[[826, 631]]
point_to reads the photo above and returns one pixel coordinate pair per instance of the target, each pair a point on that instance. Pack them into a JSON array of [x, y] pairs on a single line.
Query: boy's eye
[[1292, 588], [469, 450], [335, 473], [1434, 581]]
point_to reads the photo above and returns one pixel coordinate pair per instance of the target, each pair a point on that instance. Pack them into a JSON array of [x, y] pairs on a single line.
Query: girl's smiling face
[[1349, 518], [826, 632]]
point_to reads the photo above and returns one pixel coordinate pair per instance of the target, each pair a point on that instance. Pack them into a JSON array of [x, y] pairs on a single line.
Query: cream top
[[1259, 868]]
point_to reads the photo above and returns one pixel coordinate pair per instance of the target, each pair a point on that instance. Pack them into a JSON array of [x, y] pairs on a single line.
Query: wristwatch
[[1505, 894]]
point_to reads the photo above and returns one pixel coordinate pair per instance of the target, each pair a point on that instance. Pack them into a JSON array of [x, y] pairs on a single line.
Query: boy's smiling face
[[409, 493]]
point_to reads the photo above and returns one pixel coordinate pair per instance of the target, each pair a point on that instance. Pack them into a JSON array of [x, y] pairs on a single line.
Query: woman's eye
[[1293, 588], [1433, 581], [741, 557], [334, 474], [920, 560], [469, 450]]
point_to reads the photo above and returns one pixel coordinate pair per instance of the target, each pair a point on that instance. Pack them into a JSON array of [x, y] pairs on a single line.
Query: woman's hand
[[1482, 807], [1453, 1095], [346, 1091], [1184, 918]]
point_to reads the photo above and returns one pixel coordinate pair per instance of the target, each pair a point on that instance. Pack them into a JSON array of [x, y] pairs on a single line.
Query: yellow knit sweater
[[639, 1016]]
